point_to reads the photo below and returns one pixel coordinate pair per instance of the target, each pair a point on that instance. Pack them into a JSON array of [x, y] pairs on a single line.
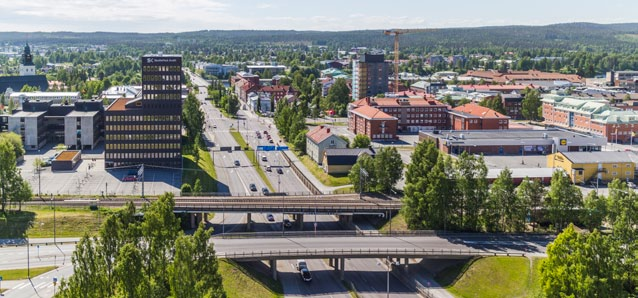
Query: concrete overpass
[[338, 248]]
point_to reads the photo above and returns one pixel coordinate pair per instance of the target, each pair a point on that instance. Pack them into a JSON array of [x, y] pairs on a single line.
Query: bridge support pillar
[[345, 220], [406, 263], [205, 217], [193, 217], [342, 268], [331, 262], [273, 268], [335, 263], [248, 221], [299, 221]]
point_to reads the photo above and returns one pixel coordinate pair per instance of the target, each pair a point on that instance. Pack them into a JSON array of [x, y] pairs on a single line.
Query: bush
[[186, 188]]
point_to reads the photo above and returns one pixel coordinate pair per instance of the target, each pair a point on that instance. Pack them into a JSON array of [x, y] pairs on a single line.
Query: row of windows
[[132, 118], [163, 68], [426, 115], [145, 127], [163, 96], [145, 155], [147, 146], [425, 121], [149, 78], [142, 137], [151, 87], [382, 136], [414, 109]]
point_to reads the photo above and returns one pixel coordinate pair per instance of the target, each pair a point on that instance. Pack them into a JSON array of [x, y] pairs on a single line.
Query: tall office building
[[369, 75], [147, 130]]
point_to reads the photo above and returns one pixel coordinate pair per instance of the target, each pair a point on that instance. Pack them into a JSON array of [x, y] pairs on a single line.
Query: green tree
[[472, 189], [594, 211], [494, 103], [193, 117], [388, 168], [531, 104], [415, 208], [129, 273], [186, 188], [368, 182], [10, 179], [16, 142], [338, 96], [232, 105], [360, 141], [197, 187], [564, 199], [531, 192], [503, 208]]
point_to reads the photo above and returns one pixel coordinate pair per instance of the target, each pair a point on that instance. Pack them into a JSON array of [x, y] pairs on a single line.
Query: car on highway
[[305, 274], [280, 171], [264, 191], [265, 132], [268, 169], [214, 125], [301, 263], [270, 141], [129, 178], [270, 217], [287, 223], [264, 158], [237, 163], [253, 187]]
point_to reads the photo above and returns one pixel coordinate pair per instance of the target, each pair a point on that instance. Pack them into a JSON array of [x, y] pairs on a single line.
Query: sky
[[150, 16]]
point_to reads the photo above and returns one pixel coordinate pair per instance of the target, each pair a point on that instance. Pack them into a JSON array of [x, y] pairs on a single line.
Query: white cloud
[[264, 6]]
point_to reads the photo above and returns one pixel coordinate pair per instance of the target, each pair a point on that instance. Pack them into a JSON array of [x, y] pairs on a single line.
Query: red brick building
[[413, 113], [372, 122], [474, 117], [278, 92]]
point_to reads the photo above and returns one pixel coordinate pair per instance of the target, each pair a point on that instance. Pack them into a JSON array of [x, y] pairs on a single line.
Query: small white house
[[319, 139]]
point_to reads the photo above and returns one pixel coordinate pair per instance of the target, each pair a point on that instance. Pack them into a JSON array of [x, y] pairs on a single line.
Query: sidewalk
[[36, 241]]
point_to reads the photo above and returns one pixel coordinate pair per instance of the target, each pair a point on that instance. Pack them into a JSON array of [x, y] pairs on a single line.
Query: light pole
[[389, 264], [28, 261], [362, 173], [53, 202], [522, 153]]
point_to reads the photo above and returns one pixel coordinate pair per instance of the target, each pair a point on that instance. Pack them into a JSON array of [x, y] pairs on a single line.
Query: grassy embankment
[[204, 169], [493, 277], [242, 281], [17, 274], [326, 179], [250, 153]]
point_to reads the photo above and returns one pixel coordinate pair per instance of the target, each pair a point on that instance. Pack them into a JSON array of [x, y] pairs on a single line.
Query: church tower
[[27, 68]]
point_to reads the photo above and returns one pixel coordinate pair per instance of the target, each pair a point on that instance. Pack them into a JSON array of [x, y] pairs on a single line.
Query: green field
[[17, 274], [396, 224], [203, 169], [37, 222], [493, 277], [241, 281], [318, 172]]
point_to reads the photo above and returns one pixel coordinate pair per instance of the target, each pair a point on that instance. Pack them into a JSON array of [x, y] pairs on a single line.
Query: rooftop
[[472, 109], [319, 134], [531, 75], [600, 156], [370, 113], [118, 105], [67, 155]]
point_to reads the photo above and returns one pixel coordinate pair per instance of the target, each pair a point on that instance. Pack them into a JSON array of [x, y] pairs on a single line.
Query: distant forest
[[569, 36]]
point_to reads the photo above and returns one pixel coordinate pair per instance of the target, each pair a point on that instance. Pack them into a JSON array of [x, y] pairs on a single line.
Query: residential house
[[321, 138]]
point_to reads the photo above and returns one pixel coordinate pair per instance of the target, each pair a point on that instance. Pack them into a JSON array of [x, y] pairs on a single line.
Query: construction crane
[[396, 33]]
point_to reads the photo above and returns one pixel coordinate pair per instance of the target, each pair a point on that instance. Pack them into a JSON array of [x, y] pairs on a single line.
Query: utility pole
[[53, 202]]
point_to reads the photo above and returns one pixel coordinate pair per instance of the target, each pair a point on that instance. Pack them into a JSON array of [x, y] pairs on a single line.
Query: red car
[[130, 178]]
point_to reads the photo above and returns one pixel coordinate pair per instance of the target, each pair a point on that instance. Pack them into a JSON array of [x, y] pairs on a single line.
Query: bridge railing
[[375, 233], [363, 252]]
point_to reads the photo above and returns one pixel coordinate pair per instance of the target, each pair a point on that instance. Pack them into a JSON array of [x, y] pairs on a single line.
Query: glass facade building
[[147, 130]]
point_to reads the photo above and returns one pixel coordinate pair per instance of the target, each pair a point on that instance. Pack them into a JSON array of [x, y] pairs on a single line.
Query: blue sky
[[328, 15]]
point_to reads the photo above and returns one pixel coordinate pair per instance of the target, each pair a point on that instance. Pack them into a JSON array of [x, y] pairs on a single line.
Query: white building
[[54, 97]]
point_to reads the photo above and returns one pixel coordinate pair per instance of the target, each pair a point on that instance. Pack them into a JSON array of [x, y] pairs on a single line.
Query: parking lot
[[91, 178]]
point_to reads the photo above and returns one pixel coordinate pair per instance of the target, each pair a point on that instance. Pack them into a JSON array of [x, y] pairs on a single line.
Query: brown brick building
[[413, 113], [372, 122], [474, 117]]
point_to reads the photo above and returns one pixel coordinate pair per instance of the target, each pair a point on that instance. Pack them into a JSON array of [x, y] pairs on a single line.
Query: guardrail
[[306, 182], [370, 252], [375, 233]]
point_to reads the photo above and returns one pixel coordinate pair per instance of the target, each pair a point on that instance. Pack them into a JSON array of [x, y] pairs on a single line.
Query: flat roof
[[524, 172], [118, 105], [599, 156], [28, 114], [509, 134], [82, 113], [67, 155]]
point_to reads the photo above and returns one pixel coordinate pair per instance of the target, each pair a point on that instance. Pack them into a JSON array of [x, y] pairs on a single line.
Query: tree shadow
[[451, 274], [260, 273], [14, 224]]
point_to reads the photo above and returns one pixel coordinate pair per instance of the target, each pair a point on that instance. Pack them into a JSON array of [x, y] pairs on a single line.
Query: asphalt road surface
[[370, 277], [324, 280]]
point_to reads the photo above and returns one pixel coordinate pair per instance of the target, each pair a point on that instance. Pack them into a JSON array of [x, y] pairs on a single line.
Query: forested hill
[[569, 36]]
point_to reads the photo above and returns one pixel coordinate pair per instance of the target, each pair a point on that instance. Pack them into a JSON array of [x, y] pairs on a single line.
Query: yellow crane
[[396, 33]]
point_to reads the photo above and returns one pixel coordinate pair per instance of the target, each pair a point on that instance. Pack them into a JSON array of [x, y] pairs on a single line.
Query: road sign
[[55, 280], [282, 148], [266, 148], [0, 277]]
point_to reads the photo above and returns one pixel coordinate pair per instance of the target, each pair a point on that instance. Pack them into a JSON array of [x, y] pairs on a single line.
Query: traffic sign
[[0, 277], [55, 280], [266, 148], [282, 148]]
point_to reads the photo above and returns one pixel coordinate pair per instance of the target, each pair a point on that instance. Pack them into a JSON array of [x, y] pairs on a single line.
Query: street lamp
[[53, 202], [522, 153], [389, 265]]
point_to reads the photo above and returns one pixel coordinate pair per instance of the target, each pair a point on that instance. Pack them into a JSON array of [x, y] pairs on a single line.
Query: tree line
[[13, 188], [144, 257], [442, 193]]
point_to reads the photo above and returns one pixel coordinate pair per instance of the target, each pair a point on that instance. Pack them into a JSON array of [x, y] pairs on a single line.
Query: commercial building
[[321, 138], [274, 69], [474, 117], [625, 78], [583, 167], [369, 75], [54, 97], [594, 116], [535, 77], [78, 125], [372, 122], [512, 142], [413, 113], [147, 130], [220, 70]]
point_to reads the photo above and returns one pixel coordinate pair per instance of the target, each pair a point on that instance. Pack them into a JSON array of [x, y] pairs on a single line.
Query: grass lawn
[[240, 281], [250, 153], [344, 190], [37, 222], [203, 169], [398, 224], [326, 179], [17, 274], [492, 277]]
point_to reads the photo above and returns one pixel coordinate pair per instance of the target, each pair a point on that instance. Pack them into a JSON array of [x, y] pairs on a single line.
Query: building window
[[614, 166], [614, 173], [627, 174]]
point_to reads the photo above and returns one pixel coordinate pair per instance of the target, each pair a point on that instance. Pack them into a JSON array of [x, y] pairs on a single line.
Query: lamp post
[[522, 153], [389, 264], [362, 173], [53, 202]]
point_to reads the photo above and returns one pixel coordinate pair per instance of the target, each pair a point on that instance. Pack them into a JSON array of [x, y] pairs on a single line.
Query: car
[[237, 163], [264, 191], [305, 274], [264, 158], [287, 223], [270, 141], [214, 125], [253, 187], [268, 169], [265, 132], [270, 217], [259, 136], [280, 171], [129, 178], [301, 263]]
